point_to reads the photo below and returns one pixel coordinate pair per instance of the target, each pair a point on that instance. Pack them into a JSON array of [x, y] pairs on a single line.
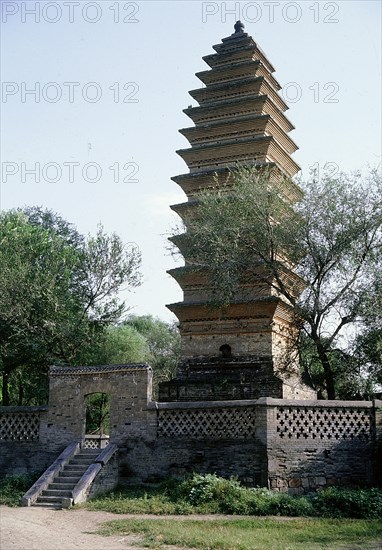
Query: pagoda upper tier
[[240, 115]]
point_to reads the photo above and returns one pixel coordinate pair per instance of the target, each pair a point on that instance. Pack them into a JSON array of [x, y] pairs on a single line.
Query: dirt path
[[44, 529]]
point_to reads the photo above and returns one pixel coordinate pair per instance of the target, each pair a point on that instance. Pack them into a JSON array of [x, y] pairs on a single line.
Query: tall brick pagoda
[[236, 353]]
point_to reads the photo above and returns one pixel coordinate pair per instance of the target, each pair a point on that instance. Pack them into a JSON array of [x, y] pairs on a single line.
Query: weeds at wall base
[[210, 494], [13, 487]]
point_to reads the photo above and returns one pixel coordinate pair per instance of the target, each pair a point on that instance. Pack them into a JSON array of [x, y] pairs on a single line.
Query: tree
[[121, 344], [141, 339], [163, 343], [353, 378], [367, 348], [330, 236], [58, 292]]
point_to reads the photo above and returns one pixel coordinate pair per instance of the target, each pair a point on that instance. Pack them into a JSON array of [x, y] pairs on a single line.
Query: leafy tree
[[258, 228], [122, 344], [58, 293], [163, 343], [98, 414], [140, 339], [368, 344], [353, 378]]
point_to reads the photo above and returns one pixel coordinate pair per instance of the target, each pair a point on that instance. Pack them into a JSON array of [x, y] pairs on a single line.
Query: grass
[[142, 500], [209, 494], [251, 533], [12, 488]]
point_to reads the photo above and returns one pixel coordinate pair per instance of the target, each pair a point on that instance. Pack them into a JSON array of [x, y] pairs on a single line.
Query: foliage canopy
[[58, 293], [330, 236]]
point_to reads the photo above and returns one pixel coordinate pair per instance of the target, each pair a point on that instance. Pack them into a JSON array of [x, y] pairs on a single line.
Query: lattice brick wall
[[324, 423], [95, 442], [19, 426], [227, 423]]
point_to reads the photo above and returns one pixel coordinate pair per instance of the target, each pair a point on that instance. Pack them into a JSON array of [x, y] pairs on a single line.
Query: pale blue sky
[[327, 53]]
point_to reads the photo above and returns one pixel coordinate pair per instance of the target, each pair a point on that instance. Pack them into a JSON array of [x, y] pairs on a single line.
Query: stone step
[[76, 461], [88, 454], [64, 480], [76, 468], [85, 456], [53, 506], [49, 500], [61, 486], [70, 473], [56, 493], [67, 479]]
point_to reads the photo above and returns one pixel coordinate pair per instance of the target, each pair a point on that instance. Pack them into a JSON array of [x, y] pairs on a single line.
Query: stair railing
[[47, 477], [81, 490]]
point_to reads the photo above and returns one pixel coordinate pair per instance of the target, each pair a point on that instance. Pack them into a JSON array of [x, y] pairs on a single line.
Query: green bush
[[230, 497], [212, 494], [296, 506], [200, 488], [12, 488], [349, 503]]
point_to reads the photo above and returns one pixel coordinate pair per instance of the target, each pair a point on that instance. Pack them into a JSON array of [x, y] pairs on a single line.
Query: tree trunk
[[20, 400], [328, 373], [5, 390]]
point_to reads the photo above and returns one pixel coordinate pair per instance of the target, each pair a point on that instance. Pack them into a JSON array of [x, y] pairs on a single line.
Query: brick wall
[[288, 445], [107, 478], [21, 447], [293, 446], [313, 444], [222, 437]]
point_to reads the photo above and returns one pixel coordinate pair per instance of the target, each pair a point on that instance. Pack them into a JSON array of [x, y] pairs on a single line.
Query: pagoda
[[238, 352]]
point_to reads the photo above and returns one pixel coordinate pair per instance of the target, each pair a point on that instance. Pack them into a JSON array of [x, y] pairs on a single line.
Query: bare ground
[[45, 529]]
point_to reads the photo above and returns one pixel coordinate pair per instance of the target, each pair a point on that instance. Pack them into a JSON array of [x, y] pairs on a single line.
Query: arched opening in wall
[[225, 351], [97, 427]]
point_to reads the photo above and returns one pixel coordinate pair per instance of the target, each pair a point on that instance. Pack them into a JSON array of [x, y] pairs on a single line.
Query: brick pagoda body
[[237, 353]]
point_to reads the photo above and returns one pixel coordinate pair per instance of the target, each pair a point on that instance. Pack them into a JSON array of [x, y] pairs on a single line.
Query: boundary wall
[[286, 445]]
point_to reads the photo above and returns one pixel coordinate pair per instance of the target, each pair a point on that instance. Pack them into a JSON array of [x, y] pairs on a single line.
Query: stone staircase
[[63, 484]]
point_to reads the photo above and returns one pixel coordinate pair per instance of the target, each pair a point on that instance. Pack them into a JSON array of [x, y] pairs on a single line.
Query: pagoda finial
[[239, 27]]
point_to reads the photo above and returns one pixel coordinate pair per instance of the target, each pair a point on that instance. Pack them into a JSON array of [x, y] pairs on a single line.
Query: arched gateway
[[128, 388]]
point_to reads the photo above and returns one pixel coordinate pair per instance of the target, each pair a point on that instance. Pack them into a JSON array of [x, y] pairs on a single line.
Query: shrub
[[225, 495], [212, 494], [229, 497], [351, 503], [12, 488], [288, 505]]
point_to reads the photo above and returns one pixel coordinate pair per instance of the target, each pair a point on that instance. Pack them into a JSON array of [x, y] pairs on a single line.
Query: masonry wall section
[[311, 445], [23, 446], [226, 438], [293, 446]]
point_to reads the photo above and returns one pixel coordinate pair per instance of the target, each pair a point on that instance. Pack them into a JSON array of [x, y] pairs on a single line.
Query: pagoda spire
[[239, 27]]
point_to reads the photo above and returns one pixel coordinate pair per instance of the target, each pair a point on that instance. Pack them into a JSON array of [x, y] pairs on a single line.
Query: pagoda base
[[214, 379]]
